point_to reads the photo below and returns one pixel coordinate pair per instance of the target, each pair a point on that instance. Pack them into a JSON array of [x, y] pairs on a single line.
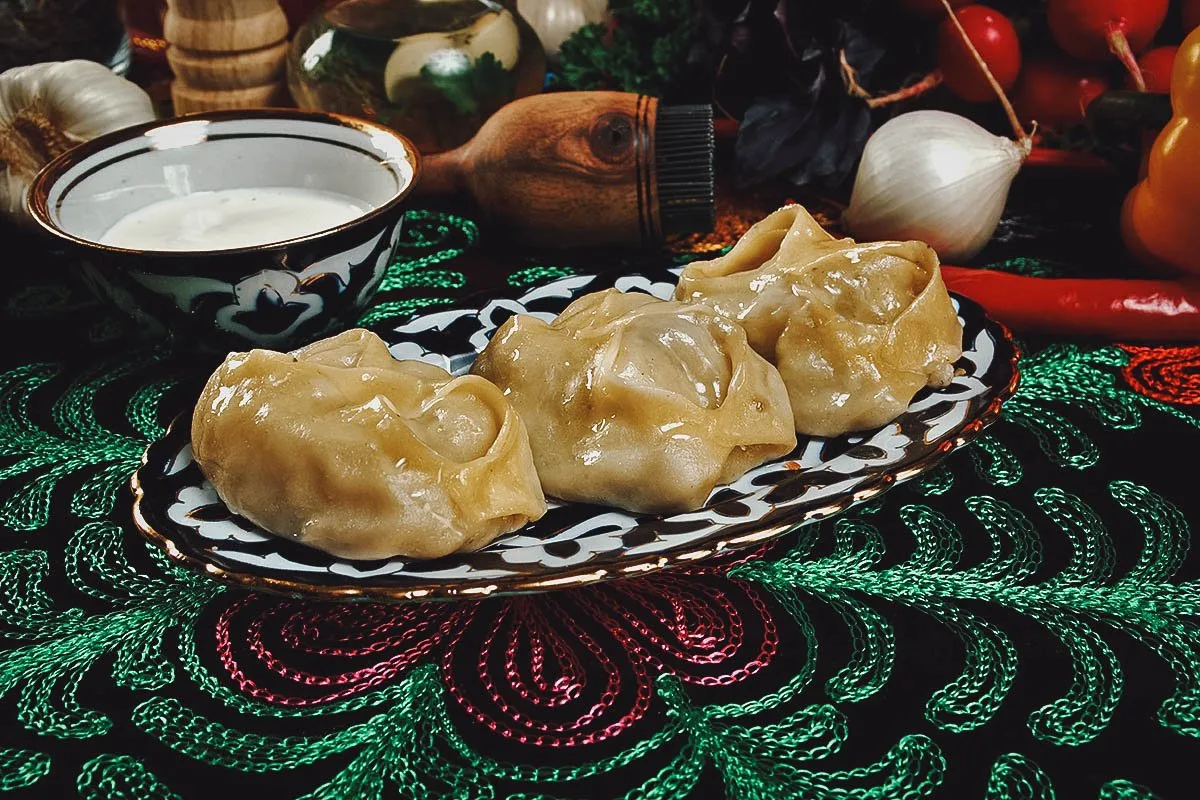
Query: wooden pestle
[[572, 169], [226, 54]]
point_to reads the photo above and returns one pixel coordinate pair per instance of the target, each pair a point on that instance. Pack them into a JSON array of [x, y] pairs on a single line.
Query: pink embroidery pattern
[[555, 670]]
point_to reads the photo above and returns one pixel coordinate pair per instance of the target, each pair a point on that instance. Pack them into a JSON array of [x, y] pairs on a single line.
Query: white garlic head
[[555, 20], [46, 109], [453, 52]]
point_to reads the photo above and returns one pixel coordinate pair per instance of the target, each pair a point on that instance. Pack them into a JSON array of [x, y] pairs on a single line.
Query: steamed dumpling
[[639, 403], [855, 329], [341, 447]]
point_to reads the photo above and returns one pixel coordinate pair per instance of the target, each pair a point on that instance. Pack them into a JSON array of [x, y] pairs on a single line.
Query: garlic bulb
[[46, 109], [555, 20], [452, 52], [934, 177]]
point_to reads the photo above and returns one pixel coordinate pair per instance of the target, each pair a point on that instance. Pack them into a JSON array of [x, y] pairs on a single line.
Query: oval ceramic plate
[[574, 544]]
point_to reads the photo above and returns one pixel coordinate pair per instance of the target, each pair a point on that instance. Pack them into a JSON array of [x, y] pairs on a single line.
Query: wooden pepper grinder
[[581, 169], [226, 54]]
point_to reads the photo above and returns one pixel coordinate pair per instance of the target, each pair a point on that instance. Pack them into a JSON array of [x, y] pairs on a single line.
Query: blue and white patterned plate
[[573, 544]]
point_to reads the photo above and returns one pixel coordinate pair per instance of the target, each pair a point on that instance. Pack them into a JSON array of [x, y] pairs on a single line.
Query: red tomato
[[995, 38], [1056, 91], [1156, 67], [1085, 28], [1191, 15], [929, 8]]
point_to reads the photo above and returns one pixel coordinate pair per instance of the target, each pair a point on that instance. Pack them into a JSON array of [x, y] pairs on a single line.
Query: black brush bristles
[[683, 158]]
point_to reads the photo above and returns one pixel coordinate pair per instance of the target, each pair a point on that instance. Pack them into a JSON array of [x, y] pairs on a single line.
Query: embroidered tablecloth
[[1022, 622]]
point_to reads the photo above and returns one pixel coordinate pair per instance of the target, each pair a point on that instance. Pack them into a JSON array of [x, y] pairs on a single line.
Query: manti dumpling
[[855, 329], [341, 447], [639, 403]]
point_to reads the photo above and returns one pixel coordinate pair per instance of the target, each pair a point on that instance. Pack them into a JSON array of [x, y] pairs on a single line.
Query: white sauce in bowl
[[232, 218]]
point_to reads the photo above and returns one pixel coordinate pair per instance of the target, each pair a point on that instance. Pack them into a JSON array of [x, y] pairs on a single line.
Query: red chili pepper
[[1068, 159], [1116, 309]]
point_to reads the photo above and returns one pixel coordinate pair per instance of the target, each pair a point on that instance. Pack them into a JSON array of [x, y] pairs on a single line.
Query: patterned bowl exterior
[[276, 295], [278, 299], [176, 508]]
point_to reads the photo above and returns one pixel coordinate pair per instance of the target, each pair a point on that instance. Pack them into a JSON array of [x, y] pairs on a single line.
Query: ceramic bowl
[[276, 295]]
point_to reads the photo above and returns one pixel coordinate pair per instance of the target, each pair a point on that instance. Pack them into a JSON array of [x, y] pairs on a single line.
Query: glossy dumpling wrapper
[[341, 447], [639, 403], [856, 330]]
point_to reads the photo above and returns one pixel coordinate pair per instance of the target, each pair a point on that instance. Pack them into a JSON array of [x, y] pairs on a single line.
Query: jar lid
[[392, 20]]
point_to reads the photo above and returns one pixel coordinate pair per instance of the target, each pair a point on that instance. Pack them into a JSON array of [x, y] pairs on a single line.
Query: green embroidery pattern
[[99, 607], [1074, 605], [1015, 777], [1086, 379], [21, 768], [109, 777], [38, 457], [1125, 790]]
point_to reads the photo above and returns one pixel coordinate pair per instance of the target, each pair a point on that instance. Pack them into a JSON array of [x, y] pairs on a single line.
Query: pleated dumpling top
[[639, 403], [856, 330], [341, 447]]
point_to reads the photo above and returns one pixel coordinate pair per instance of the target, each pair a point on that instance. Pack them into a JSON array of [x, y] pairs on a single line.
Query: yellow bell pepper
[[1160, 221]]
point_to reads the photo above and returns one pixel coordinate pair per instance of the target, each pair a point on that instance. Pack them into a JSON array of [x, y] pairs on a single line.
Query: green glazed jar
[[434, 70]]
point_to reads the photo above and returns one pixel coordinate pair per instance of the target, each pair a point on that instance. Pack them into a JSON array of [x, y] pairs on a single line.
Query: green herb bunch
[[646, 48]]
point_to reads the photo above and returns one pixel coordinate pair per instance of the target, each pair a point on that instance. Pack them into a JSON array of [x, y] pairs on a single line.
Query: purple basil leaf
[[863, 53], [781, 14], [775, 136], [846, 131]]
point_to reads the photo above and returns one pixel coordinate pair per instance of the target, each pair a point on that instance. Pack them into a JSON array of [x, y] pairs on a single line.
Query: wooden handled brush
[[577, 169]]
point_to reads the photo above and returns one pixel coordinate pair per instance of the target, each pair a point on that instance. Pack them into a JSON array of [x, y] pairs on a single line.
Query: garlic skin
[[935, 177], [453, 52], [555, 20], [46, 109]]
